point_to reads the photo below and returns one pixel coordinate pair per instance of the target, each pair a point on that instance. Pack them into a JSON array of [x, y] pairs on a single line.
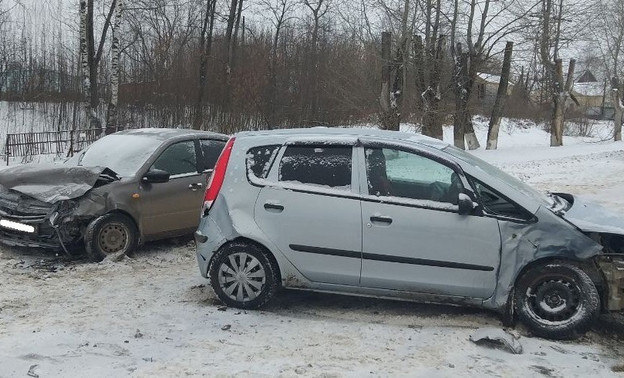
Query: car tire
[[557, 301], [110, 234], [242, 275]]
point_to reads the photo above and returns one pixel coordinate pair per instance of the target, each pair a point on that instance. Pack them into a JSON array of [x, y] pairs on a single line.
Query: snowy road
[[155, 316]]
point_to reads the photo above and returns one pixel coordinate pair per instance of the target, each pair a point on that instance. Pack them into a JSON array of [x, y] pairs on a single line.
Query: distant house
[[593, 96], [487, 87]]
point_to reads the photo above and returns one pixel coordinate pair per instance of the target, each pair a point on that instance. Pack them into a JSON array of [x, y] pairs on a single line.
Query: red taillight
[[218, 175]]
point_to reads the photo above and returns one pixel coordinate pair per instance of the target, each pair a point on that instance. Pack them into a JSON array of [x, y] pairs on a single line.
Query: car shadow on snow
[[295, 303]]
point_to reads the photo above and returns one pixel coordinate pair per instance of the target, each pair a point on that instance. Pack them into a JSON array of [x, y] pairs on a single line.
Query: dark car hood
[[54, 182], [591, 217]]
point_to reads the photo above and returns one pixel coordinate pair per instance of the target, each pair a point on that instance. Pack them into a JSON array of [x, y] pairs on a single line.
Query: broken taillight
[[218, 175]]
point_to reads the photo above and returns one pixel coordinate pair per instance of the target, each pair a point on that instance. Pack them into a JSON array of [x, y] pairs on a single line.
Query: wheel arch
[[587, 266]]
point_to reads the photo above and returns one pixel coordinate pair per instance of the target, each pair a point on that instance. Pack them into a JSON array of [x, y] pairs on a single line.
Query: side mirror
[[465, 203], [155, 176]]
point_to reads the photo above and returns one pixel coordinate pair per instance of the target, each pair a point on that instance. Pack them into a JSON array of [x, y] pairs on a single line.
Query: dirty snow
[[153, 315]]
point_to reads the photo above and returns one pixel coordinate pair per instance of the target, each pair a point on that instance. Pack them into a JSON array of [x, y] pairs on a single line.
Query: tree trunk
[[618, 104], [561, 92], [499, 103], [385, 99], [234, 42], [112, 119], [206, 47], [458, 77], [471, 138], [94, 122], [84, 56], [428, 71]]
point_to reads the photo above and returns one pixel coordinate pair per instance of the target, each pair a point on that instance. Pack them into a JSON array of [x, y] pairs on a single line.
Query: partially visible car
[[400, 215], [125, 189]]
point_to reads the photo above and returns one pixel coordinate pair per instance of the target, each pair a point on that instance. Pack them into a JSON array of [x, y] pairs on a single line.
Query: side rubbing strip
[[414, 261], [325, 251], [387, 258]]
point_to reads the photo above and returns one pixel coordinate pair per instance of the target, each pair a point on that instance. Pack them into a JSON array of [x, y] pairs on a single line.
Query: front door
[[414, 238], [312, 214], [172, 208]]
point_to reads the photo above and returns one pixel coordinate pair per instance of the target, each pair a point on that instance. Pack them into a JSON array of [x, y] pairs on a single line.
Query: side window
[[210, 149], [496, 204], [392, 172], [179, 158], [323, 165], [260, 159]]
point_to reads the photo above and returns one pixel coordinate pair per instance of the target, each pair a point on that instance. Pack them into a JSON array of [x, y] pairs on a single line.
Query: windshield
[[491, 170], [124, 154]]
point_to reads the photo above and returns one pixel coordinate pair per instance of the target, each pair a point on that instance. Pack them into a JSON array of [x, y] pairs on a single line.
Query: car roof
[[165, 134], [337, 132]]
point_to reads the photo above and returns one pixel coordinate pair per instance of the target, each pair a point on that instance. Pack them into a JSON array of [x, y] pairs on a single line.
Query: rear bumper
[[208, 239]]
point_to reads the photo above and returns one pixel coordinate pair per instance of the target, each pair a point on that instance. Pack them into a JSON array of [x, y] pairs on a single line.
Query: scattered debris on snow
[[496, 338]]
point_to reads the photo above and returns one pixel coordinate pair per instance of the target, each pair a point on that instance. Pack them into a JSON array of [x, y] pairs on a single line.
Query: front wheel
[[110, 234], [243, 276], [557, 301]]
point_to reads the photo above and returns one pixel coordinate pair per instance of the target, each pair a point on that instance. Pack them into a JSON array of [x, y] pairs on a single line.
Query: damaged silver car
[[399, 215], [125, 189]]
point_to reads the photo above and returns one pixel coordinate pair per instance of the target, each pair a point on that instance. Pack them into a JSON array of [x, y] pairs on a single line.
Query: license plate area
[[11, 225]]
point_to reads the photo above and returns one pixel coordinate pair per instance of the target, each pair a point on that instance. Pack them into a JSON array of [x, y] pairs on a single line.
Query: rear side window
[[328, 166], [260, 159], [210, 149]]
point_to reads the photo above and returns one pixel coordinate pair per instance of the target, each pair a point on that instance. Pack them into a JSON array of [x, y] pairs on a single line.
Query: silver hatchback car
[[403, 216]]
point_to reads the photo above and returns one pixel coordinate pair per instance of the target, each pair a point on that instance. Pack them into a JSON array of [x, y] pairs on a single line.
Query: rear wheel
[[110, 234], [557, 301], [243, 276]]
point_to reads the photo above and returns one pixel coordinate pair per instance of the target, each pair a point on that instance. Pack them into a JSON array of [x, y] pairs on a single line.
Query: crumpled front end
[[39, 211], [25, 221], [612, 267]]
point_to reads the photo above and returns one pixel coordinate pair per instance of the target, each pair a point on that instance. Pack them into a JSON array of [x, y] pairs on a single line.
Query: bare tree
[[609, 35], [112, 114], [90, 57], [280, 12], [318, 9], [205, 46], [549, 47], [482, 25]]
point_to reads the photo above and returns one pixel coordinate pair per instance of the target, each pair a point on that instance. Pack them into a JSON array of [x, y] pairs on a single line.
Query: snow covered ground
[[153, 315]]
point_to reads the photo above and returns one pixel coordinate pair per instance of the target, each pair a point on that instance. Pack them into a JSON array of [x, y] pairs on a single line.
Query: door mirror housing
[[155, 176], [465, 204]]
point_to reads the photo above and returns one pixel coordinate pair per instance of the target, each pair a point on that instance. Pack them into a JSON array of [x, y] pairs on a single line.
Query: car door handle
[[273, 207], [196, 186], [378, 219]]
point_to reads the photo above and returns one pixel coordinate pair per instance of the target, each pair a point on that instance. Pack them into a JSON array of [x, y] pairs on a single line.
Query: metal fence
[[49, 142]]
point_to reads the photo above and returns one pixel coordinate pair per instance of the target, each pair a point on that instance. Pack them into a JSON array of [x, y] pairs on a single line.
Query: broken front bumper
[[612, 267], [28, 233]]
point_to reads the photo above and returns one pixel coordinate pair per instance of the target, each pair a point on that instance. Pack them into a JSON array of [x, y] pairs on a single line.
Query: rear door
[[414, 239], [172, 208], [310, 210]]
